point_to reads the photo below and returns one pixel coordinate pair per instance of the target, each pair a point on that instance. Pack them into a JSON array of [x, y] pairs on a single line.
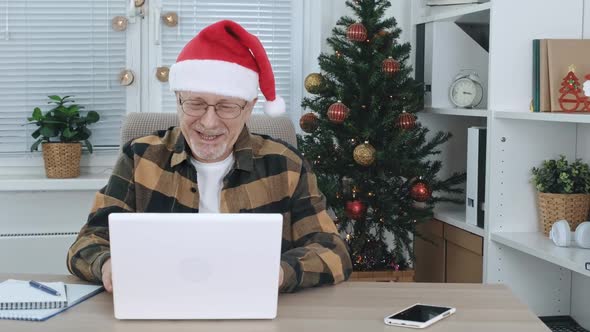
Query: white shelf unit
[[481, 113], [455, 215], [544, 116], [540, 246], [442, 13], [550, 280]]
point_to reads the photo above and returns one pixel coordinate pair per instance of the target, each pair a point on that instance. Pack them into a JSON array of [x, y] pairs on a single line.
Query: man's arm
[[319, 255], [92, 248]]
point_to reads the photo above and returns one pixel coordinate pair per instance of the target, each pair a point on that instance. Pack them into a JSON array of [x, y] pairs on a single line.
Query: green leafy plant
[[63, 123], [561, 177]]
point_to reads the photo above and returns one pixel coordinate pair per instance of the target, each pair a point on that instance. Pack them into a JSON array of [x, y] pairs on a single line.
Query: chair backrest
[[142, 124]]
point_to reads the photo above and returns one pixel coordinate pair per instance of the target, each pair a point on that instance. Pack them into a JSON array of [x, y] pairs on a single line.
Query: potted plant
[[563, 189], [61, 129]]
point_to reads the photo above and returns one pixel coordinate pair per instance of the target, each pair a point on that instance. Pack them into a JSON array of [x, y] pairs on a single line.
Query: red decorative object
[[406, 121], [572, 96], [355, 209], [338, 112], [390, 66], [309, 122], [356, 32], [420, 191]]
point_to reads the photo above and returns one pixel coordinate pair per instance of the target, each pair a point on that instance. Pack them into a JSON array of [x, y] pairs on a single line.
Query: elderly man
[[212, 163]]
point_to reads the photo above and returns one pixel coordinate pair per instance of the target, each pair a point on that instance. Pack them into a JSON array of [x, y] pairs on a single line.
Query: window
[[68, 47], [63, 47]]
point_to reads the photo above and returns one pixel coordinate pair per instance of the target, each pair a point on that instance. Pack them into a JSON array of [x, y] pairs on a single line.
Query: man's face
[[210, 137]]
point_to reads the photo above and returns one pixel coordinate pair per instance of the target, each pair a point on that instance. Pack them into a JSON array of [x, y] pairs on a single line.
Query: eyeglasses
[[198, 107]]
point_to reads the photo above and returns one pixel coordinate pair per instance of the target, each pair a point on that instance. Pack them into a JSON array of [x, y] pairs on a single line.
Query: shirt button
[[193, 189]]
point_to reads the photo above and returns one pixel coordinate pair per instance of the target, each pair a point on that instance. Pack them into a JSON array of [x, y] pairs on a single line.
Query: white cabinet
[[551, 280]]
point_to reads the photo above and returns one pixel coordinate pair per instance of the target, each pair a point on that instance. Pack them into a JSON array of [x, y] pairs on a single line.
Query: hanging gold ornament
[[119, 23], [170, 19], [364, 154], [314, 83], [162, 74], [126, 77], [139, 3]]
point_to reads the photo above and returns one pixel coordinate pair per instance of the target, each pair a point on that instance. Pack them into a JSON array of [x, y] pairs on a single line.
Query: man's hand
[[281, 276], [107, 276]]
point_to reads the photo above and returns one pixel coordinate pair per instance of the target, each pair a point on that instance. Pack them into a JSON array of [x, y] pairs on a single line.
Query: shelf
[[482, 113], [544, 116], [454, 12], [538, 245], [31, 182], [454, 215]]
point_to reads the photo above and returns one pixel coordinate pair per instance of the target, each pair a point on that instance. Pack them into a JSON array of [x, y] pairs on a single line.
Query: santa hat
[[227, 60]]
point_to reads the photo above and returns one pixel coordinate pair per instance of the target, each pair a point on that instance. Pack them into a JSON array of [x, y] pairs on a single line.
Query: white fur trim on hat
[[214, 76], [275, 107]]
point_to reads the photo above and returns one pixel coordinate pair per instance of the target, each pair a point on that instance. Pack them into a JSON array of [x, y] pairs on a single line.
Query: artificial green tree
[[374, 161]]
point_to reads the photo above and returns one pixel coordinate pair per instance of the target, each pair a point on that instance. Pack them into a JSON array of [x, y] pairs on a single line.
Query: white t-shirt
[[210, 182]]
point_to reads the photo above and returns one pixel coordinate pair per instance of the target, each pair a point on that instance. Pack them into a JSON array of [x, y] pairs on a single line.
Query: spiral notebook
[[19, 295], [75, 294]]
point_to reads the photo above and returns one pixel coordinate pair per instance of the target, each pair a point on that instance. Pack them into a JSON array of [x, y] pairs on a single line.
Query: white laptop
[[195, 266]]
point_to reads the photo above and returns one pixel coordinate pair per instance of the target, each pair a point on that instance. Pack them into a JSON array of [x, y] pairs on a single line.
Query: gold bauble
[[126, 77], [364, 154], [170, 19], [314, 83], [162, 74], [119, 23]]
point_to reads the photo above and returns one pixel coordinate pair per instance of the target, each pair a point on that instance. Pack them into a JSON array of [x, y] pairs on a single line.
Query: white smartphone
[[419, 316]]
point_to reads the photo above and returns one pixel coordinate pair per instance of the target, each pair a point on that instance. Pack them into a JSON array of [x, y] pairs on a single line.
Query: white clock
[[466, 91]]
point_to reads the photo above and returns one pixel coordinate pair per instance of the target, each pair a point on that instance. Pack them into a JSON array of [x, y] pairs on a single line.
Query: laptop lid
[[195, 266]]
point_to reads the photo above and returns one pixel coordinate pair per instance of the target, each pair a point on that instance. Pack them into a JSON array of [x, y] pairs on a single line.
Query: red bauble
[[357, 32], [309, 122], [420, 191], [389, 66], [355, 209], [406, 121], [338, 112]]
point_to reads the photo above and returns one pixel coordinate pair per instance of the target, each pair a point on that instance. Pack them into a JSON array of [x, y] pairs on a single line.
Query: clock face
[[463, 92]]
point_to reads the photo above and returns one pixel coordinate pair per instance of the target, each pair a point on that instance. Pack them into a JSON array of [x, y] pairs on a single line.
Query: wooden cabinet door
[[430, 252], [464, 256]]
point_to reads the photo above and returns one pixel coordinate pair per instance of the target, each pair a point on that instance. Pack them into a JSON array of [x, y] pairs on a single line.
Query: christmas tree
[[373, 160]]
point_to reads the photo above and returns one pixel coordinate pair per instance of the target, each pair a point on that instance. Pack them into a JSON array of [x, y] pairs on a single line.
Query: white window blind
[[60, 47], [270, 20]]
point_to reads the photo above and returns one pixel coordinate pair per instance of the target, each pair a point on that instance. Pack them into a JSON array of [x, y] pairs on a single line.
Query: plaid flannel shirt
[[154, 174]]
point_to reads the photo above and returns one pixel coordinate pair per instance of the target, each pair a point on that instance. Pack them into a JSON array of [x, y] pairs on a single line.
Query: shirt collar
[[242, 151]]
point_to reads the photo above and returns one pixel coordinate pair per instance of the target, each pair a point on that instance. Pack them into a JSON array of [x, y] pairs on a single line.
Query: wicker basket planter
[[62, 160], [396, 276], [571, 207]]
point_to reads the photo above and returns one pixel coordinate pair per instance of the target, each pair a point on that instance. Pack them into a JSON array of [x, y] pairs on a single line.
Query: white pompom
[[275, 107]]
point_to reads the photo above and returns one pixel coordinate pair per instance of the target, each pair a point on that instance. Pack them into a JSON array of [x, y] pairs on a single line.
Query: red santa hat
[[227, 60]]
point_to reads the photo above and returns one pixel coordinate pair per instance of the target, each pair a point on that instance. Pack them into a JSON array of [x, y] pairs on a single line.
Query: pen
[[44, 288]]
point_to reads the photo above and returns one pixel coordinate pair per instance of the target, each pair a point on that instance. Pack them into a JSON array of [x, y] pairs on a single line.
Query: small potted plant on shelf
[[61, 129], [562, 192]]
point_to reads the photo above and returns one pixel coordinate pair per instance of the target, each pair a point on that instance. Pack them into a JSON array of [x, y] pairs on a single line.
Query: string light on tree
[[338, 112]]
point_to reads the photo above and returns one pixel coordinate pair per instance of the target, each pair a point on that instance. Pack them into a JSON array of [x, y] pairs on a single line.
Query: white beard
[[208, 152]]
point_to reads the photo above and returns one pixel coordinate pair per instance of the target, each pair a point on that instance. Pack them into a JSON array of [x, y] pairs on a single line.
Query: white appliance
[[195, 266]]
